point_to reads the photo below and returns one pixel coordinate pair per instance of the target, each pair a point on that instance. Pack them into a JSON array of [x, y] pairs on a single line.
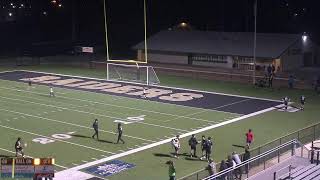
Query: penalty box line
[[78, 168]]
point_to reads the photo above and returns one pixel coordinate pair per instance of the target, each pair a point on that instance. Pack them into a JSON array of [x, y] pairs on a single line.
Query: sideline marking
[[48, 119], [31, 157], [80, 145], [77, 168]]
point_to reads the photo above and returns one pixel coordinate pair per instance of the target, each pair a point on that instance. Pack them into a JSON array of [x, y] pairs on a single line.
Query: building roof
[[220, 43]]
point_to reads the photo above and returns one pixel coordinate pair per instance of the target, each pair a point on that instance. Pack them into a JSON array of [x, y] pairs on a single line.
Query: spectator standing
[[211, 167], [271, 80], [172, 170], [223, 166], [291, 81], [237, 160], [230, 164], [246, 156], [269, 70], [273, 69], [249, 137]]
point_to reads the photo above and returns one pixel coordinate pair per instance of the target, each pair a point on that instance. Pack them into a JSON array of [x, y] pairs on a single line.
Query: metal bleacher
[[310, 172]]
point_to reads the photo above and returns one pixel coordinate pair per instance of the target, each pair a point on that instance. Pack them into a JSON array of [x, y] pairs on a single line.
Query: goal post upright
[[145, 37]]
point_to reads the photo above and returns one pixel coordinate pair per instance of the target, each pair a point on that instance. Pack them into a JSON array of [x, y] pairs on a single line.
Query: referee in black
[[120, 130], [96, 129]]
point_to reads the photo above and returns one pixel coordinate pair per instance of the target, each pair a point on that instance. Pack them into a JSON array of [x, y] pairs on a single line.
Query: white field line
[[266, 99], [124, 107], [84, 112], [84, 106], [77, 168], [67, 142], [230, 104], [81, 91], [31, 157], [62, 122]]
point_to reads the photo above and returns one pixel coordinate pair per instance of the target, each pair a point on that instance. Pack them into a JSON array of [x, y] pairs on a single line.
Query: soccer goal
[[132, 73]]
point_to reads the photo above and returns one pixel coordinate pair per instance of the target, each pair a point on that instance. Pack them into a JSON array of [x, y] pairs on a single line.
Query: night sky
[[25, 22]]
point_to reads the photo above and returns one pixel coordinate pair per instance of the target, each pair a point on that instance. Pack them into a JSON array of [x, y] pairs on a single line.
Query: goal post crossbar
[[132, 73]]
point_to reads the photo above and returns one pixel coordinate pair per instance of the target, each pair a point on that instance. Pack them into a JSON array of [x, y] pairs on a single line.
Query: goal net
[[132, 73]]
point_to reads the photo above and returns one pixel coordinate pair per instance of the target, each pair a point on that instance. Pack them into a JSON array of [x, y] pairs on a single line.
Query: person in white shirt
[[176, 145], [51, 92]]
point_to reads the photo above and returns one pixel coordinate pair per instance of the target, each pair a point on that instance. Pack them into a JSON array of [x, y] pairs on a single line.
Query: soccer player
[[120, 131], [302, 101], [193, 145], [144, 95], [286, 102], [96, 129], [249, 137], [19, 147], [209, 145], [176, 145], [203, 146], [29, 83], [51, 92]]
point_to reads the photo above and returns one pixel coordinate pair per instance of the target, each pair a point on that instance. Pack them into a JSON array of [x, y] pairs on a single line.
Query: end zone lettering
[[115, 88]]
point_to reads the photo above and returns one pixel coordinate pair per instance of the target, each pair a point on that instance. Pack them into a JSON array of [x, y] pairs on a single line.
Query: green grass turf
[[149, 163]]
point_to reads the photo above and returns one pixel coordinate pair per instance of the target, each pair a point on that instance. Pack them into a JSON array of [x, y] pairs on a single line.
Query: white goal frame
[[148, 70]]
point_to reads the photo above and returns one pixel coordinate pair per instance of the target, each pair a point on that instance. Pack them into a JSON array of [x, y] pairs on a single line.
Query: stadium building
[[229, 50]]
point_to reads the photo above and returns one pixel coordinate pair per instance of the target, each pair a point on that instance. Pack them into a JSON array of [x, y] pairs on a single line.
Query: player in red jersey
[[249, 137]]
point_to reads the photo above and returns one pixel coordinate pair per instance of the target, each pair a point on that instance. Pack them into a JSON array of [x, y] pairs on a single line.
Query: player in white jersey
[[51, 92], [176, 145]]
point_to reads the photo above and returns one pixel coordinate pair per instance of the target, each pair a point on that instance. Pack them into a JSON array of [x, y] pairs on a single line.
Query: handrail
[[294, 141], [276, 172]]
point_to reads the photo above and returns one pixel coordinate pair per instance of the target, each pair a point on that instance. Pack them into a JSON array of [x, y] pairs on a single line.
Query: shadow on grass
[[89, 137]]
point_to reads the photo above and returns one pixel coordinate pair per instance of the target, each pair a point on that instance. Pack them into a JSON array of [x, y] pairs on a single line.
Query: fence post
[[197, 176], [274, 175], [317, 157], [299, 135], [314, 132]]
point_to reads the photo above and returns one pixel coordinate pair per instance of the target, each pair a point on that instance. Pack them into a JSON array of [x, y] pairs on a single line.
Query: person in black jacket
[[246, 156], [96, 129], [223, 166], [193, 145]]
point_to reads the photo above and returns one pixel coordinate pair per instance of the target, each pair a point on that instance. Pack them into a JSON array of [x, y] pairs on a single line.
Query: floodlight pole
[[255, 42], [106, 29]]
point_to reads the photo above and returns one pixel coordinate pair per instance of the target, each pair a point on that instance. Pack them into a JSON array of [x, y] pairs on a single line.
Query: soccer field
[[61, 126]]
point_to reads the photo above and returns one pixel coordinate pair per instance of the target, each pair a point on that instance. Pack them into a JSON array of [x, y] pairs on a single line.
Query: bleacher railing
[[303, 136]]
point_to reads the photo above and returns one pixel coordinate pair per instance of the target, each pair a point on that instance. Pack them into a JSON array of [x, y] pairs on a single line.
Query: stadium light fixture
[[304, 37], [10, 14]]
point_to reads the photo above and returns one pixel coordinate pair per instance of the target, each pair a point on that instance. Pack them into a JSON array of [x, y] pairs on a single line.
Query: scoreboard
[[36, 168]]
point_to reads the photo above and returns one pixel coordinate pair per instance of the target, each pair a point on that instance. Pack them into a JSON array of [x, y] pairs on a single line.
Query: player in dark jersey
[[209, 145], [95, 126], [120, 131], [203, 146], [19, 147], [302, 101], [193, 145]]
